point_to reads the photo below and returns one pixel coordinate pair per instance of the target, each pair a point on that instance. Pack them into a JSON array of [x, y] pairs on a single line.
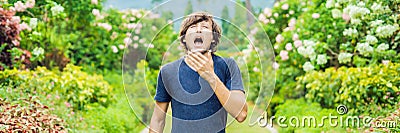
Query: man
[[201, 86]]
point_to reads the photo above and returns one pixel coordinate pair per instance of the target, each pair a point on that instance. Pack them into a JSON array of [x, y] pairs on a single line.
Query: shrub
[[77, 87], [353, 87]]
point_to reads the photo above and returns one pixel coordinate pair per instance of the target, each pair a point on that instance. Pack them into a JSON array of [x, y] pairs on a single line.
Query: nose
[[198, 29]]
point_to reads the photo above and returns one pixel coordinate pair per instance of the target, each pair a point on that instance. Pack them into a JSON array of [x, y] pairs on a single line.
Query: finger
[[192, 64], [197, 63], [209, 55], [201, 56]]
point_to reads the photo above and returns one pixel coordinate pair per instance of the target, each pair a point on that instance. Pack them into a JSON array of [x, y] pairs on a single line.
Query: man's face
[[199, 36]]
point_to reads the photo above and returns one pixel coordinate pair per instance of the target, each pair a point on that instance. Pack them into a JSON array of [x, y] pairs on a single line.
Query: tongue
[[198, 43]]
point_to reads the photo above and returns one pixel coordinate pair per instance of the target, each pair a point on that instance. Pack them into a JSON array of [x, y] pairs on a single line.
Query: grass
[[232, 127]]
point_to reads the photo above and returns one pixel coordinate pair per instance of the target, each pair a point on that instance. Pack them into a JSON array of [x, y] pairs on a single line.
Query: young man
[[202, 87]]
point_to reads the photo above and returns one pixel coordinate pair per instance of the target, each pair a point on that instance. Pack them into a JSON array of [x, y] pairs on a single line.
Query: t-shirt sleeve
[[161, 93], [234, 79]]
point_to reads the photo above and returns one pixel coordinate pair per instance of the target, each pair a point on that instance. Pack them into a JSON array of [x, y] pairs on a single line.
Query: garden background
[[62, 61]]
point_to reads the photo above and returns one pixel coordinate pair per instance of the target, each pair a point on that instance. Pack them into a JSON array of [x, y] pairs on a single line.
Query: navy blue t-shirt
[[195, 107]]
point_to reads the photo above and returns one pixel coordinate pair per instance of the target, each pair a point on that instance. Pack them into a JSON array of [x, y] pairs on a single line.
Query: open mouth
[[198, 41]]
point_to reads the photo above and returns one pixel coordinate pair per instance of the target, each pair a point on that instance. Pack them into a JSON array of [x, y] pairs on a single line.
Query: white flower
[[291, 12], [361, 4], [385, 62], [350, 32], [30, 3], [321, 59], [122, 46], [38, 51], [379, 9], [284, 55], [33, 22], [315, 15], [142, 40], [95, 2], [24, 26], [127, 41], [382, 47], [330, 4], [272, 21], [298, 43], [307, 52], [275, 65], [279, 38], [136, 38], [96, 12], [255, 69], [376, 23], [106, 26], [355, 11], [57, 9], [344, 57], [308, 67], [336, 13], [285, 6], [364, 48], [355, 21], [288, 46], [295, 37], [261, 17], [114, 49], [309, 43], [268, 12], [276, 15], [371, 39], [19, 6], [386, 30]]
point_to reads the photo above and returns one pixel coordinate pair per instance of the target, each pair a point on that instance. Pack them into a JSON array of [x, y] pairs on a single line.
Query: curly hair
[[195, 18]]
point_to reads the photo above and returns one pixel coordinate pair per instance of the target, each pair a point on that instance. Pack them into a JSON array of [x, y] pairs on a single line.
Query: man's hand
[[202, 64]]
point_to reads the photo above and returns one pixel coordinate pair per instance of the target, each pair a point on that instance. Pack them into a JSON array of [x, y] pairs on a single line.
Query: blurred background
[[92, 65]]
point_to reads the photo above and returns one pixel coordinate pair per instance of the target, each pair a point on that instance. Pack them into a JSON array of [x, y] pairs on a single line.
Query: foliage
[[118, 117], [11, 55], [354, 87], [77, 87], [28, 116]]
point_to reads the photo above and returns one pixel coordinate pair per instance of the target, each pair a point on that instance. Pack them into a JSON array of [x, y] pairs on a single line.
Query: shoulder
[[171, 65]]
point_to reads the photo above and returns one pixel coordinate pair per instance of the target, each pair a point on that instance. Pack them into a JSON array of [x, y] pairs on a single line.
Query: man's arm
[[233, 101], [157, 122]]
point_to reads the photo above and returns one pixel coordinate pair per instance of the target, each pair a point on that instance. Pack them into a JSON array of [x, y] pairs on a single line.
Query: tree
[[189, 8], [225, 17], [250, 18]]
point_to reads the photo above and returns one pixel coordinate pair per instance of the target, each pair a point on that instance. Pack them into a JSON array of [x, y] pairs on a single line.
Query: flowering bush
[[354, 87], [322, 35], [79, 89], [12, 56], [340, 34], [58, 32]]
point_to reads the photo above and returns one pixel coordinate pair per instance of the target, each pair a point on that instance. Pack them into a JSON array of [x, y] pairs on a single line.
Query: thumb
[[209, 55]]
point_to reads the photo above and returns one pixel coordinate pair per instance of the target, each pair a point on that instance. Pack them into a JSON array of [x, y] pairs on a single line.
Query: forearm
[[234, 103], [156, 125]]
